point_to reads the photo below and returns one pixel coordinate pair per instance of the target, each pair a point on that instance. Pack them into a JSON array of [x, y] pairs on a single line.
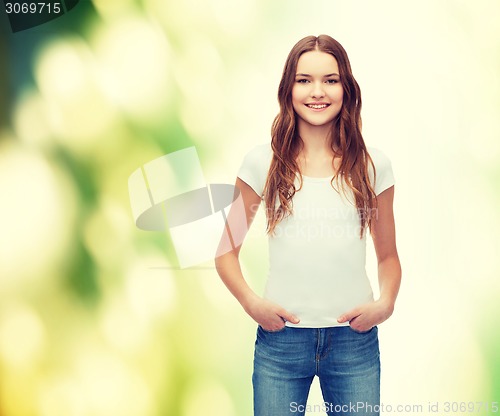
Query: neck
[[315, 139]]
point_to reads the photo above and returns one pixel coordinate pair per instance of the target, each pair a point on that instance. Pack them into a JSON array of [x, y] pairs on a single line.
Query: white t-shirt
[[316, 258]]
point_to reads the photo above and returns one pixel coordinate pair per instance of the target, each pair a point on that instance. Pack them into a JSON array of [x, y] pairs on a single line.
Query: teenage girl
[[323, 190]]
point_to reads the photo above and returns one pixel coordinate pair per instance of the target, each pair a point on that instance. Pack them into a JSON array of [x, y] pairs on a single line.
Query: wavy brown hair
[[346, 140]]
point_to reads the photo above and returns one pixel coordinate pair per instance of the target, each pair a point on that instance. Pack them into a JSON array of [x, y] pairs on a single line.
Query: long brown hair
[[346, 140]]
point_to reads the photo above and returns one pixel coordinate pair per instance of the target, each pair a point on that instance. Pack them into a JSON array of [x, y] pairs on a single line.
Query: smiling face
[[317, 92]]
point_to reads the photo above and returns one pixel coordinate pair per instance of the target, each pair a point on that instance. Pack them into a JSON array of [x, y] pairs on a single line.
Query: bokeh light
[[31, 120], [78, 112], [20, 322], [206, 396], [38, 213], [133, 66]]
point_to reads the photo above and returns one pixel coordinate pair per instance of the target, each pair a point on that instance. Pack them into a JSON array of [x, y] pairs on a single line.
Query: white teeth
[[316, 106]]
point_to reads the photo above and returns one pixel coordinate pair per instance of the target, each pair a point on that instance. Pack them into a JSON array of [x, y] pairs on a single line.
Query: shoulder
[[380, 158], [259, 157], [383, 170], [255, 166]]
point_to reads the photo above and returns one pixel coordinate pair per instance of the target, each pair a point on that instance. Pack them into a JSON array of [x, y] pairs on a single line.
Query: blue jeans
[[347, 364]]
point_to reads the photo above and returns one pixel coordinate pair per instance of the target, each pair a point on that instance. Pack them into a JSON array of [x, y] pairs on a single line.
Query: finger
[[362, 323], [355, 324], [275, 324], [290, 317], [348, 316]]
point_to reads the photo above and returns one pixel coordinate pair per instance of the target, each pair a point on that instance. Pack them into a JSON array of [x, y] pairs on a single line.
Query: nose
[[317, 90]]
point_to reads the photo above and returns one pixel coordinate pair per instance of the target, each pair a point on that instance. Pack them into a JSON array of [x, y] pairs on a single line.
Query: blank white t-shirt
[[316, 258]]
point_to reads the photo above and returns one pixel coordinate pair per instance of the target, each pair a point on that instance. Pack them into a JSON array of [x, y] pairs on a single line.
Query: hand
[[365, 317], [270, 316]]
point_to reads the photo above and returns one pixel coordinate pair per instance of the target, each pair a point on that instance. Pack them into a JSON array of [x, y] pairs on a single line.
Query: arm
[[384, 239], [267, 314], [383, 234]]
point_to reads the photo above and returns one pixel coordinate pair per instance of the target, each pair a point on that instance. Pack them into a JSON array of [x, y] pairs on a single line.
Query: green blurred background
[[97, 319]]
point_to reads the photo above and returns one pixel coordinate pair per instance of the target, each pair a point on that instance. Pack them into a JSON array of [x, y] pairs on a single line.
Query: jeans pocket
[[272, 332], [362, 332]]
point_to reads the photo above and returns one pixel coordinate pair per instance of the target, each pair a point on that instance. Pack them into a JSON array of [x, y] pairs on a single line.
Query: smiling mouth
[[317, 106]]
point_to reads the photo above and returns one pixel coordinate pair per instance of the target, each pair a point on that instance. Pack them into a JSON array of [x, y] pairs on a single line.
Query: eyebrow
[[325, 76]]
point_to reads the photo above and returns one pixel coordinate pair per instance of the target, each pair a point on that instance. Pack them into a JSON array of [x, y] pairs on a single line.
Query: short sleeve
[[254, 169], [384, 176]]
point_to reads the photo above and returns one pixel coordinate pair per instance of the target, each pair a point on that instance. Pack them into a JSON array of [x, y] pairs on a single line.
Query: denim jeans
[[346, 362]]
